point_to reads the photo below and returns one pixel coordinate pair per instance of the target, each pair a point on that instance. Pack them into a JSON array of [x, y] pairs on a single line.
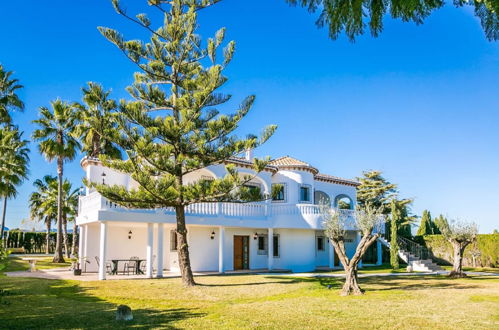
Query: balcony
[[284, 214]]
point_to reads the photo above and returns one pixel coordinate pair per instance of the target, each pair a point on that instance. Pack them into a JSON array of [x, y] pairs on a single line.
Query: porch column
[[150, 241], [359, 237], [331, 254], [159, 253], [103, 251], [81, 236], [221, 240], [270, 249], [379, 261]]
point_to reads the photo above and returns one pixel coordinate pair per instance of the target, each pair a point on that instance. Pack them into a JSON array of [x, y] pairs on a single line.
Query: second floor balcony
[[282, 215]]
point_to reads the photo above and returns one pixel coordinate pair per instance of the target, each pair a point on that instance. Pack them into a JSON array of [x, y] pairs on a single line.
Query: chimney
[[249, 155]]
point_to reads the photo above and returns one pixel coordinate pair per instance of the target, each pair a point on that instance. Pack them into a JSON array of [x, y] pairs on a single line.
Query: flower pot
[[77, 272]]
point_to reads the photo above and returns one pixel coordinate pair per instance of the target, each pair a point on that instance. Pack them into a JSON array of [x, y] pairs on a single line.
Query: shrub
[[484, 252]]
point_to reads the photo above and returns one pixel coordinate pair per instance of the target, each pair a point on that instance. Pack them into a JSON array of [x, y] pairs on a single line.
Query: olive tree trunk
[[351, 286], [457, 265]]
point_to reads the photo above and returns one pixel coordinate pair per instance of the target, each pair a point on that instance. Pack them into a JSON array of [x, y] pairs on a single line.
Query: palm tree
[[69, 212], [97, 118], [56, 137], [43, 205], [9, 100], [14, 159]]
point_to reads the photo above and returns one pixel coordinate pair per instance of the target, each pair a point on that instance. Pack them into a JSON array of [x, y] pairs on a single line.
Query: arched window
[[321, 197], [343, 202]]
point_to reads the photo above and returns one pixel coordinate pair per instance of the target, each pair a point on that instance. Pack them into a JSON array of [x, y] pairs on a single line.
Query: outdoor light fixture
[[103, 175], [130, 234], [212, 236], [255, 236]]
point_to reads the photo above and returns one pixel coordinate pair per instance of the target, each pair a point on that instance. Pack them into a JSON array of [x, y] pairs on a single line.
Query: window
[[254, 189], [278, 192], [304, 194], [173, 240], [320, 243], [276, 246], [262, 244]]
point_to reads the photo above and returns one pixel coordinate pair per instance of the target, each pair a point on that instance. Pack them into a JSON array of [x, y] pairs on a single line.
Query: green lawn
[[252, 301]]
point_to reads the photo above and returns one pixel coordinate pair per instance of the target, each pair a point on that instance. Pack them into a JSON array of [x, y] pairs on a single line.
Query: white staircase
[[417, 263]]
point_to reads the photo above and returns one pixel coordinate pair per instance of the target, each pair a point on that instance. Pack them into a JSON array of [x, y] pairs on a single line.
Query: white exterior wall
[[334, 190], [297, 250], [256, 261], [292, 181], [296, 224]]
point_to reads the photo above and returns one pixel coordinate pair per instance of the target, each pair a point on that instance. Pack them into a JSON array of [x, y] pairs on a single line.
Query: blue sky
[[420, 103]]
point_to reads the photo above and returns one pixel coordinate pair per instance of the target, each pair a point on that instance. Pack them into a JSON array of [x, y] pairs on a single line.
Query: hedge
[[484, 252], [32, 242]]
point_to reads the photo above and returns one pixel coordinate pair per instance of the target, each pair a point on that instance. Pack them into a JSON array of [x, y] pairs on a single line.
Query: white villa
[[284, 233]]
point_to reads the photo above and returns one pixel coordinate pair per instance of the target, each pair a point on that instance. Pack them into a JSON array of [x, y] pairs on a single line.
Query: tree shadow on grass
[[378, 283], [414, 283], [34, 303], [281, 280]]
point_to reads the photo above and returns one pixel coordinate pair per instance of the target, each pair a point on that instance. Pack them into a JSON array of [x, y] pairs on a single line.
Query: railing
[[420, 252], [95, 201]]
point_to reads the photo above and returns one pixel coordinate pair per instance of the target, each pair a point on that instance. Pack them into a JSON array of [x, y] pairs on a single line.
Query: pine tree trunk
[[457, 266], [183, 248], [58, 257], [351, 285], [4, 212], [48, 223], [65, 235], [74, 243]]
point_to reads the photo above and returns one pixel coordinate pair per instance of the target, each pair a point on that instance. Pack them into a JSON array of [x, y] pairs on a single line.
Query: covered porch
[[107, 247]]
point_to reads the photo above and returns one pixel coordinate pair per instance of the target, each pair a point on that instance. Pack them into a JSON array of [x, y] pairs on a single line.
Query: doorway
[[241, 252]]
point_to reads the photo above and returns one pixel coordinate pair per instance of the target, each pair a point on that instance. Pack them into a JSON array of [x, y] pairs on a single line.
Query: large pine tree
[[172, 127]]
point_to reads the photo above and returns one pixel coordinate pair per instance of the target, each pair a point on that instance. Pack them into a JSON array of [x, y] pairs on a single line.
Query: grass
[[17, 264], [252, 301]]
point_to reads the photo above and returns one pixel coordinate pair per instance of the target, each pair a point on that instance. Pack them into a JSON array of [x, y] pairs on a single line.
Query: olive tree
[[460, 234], [366, 219]]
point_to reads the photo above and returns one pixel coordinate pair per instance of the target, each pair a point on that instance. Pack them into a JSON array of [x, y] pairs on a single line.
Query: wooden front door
[[241, 252]]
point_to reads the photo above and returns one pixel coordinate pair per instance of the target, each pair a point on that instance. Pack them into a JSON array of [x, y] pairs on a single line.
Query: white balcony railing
[[95, 201]]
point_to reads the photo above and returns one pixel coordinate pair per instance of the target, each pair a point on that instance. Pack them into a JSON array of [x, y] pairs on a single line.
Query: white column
[[103, 251], [221, 240], [379, 261], [81, 238], [150, 241], [359, 237], [270, 249], [331, 254], [159, 253]]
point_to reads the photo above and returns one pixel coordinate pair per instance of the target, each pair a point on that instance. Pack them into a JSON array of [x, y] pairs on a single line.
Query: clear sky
[[420, 103]]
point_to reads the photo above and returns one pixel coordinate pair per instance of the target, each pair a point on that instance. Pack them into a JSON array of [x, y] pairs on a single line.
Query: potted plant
[[75, 265]]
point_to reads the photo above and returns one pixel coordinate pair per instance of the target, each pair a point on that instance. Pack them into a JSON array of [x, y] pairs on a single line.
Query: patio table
[[115, 262]]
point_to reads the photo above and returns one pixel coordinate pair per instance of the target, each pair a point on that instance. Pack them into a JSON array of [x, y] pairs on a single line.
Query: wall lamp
[[255, 236], [103, 175], [212, 236], [130, 234]]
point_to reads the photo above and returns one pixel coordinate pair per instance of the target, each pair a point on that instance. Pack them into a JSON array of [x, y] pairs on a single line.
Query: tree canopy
[[355, 17]]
